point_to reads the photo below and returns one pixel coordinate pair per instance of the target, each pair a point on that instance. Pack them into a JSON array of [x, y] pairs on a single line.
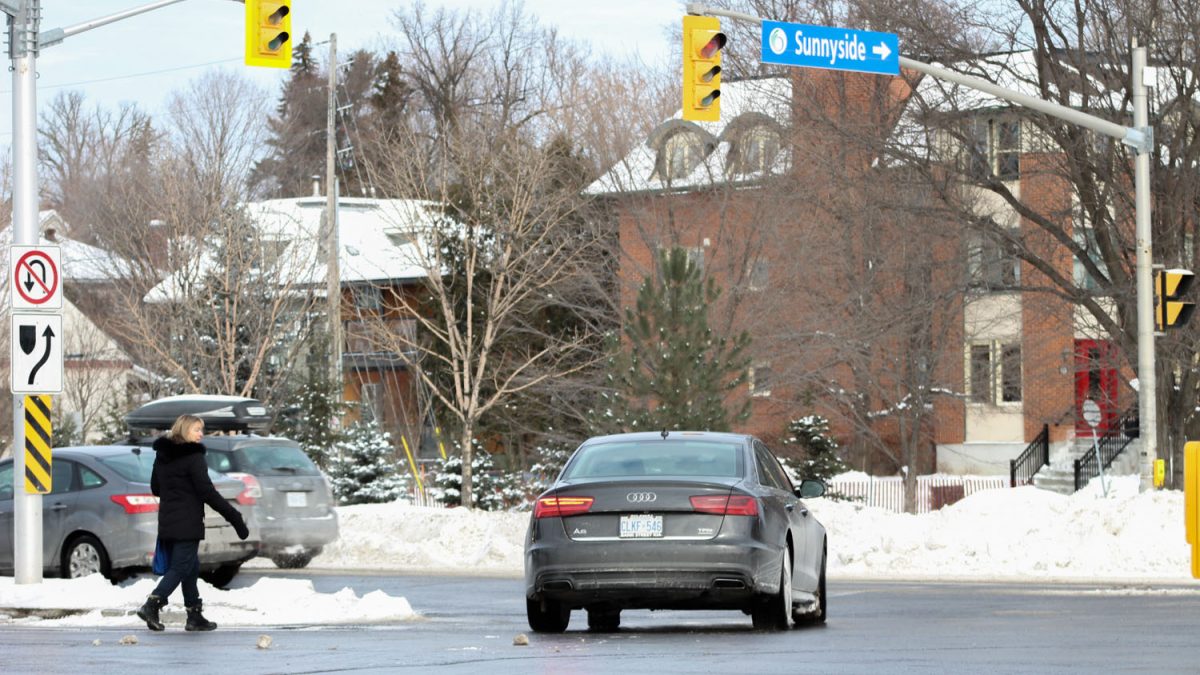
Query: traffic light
[[702, 45], [1169, 286], [269, 33]]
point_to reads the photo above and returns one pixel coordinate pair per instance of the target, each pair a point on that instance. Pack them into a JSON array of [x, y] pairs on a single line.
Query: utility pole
[[333, 282]]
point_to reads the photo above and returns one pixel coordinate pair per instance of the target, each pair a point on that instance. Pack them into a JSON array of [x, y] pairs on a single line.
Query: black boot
[[196, 620], [149, 612]]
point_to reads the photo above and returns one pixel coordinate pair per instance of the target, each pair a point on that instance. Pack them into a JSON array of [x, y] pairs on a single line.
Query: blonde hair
[[182, 425]]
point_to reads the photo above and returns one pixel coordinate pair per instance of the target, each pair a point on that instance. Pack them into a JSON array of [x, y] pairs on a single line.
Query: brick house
[[747, 197]]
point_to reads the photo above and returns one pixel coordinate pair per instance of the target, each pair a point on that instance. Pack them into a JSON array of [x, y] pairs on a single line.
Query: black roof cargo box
[[220, 413]]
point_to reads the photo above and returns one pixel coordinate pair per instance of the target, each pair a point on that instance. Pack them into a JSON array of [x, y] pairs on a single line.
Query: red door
[[1095, 379]]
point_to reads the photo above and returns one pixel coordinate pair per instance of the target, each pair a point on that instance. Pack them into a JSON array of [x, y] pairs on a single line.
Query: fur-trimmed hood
[[169, 451]]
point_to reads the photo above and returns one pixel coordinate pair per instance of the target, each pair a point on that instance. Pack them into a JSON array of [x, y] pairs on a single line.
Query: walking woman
[[180, 480]]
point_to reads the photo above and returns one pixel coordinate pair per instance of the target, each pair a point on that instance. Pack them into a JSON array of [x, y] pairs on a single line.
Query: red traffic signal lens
[[712, 46]]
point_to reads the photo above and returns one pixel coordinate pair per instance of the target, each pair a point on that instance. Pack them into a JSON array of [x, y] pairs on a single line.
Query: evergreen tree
[[312, 419], [820, 458], [491, 488], [297, 139], [364, 468], [676, 373], [112, 427]]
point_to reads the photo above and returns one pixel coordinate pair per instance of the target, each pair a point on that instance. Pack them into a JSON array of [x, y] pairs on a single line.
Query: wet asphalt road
[[469, 623]]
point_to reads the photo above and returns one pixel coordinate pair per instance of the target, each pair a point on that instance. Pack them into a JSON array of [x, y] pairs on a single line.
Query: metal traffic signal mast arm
[[1141, 138]]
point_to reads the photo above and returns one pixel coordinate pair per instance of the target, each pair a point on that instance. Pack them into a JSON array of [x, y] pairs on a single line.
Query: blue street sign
[[798, 44]]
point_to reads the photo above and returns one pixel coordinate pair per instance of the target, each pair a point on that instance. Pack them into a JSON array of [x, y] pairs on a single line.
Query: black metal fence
[[1031, 460], [1110, 446]]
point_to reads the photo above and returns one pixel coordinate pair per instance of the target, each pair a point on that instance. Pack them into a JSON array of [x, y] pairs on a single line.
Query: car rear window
[[277, 460], [133, 467], [137, 467], [657, 458]]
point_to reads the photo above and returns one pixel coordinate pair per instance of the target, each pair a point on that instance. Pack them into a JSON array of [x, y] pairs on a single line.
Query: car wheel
[[774, 612], [818, 617], [604, 620], [293, 561], [85, 555], [221, 576], [547, 616]]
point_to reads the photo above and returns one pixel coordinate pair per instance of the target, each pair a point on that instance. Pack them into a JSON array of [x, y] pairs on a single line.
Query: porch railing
[[1110, 445], [1031, 460]]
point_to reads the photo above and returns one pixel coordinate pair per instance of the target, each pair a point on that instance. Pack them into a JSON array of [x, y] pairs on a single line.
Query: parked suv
[[294, 503], [100, 517]]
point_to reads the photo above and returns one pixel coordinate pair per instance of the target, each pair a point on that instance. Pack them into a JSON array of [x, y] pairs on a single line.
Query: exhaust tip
[[734, 584], [562, 585]]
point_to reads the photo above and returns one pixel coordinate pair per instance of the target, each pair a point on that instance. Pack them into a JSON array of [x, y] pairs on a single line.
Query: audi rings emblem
[[641, 497]]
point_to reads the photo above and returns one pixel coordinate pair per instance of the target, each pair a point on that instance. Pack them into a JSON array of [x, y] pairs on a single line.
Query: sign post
[[1092, 415]]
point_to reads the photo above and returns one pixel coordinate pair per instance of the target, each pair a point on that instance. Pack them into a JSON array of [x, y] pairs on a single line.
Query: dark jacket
[[180, 480]]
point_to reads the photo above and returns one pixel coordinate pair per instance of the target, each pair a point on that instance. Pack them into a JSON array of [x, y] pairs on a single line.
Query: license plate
[[297, 498], [641, 525]]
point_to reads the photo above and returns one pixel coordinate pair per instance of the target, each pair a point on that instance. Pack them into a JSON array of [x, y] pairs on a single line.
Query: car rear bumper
[[311, 532]]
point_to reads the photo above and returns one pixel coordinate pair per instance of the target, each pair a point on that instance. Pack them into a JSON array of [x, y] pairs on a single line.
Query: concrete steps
[[1059, 475]]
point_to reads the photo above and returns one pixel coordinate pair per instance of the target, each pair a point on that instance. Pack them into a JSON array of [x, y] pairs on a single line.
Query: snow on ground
[[1009, 534]]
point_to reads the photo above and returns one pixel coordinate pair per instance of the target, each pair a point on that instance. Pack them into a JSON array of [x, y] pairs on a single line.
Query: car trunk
[[641, 510]]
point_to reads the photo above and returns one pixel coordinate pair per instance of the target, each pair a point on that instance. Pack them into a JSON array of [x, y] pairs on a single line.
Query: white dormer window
[[399, 238], [755, 151], [680, 154]]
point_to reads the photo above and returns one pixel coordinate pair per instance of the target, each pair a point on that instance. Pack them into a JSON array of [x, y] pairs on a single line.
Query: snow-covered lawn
[[1022, 534]]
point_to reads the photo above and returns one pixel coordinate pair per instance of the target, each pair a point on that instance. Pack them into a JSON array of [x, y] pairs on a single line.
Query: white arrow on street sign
[[37, 354], [35, 277]]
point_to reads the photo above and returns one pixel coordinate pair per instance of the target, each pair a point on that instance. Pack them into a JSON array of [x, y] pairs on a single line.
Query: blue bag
[[162, 558]]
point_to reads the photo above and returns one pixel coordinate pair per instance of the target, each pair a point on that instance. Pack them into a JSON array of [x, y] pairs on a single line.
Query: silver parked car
[[678, 520], [295, 505], [102, 518]]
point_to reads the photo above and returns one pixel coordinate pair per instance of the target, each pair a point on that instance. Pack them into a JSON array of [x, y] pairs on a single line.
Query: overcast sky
[[143, 58]]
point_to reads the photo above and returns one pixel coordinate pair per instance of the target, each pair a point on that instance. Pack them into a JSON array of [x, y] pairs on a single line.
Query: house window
[[994, 373], [372, 401], [1085, 237], [760, 377], [755, 151], [758, 275], [368, 297], [695, 256], [681, 152], [991, 266], [994, 149]]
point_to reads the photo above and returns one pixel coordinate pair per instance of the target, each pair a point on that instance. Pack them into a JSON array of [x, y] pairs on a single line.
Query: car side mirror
[[810, 488]]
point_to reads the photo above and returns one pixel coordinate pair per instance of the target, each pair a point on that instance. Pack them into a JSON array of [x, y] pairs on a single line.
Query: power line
[[130, 76]]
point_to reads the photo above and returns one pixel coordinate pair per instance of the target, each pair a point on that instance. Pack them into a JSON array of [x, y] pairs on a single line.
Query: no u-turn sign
[[35, 276]]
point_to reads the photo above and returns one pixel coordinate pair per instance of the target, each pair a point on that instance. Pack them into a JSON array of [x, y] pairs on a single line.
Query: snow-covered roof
[[81, 263], [769, 97], [378, 240]]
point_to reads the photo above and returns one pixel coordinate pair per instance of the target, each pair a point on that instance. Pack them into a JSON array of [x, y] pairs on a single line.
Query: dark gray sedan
[[101, 517], [678, 520]]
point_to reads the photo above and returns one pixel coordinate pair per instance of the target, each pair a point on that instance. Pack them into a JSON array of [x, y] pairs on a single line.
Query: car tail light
[[252, 491], [726, 505], [136, 503], [556, 507]]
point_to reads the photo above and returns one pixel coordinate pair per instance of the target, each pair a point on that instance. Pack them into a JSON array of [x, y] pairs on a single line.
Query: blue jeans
[[184, 570]]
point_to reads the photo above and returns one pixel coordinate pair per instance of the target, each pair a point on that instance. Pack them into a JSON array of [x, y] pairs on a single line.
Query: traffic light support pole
[[1140, 137], [24, 44]]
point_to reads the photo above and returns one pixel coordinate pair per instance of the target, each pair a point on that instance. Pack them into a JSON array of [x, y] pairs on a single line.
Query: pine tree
[[810, 435], [676, 373], [297, 131], [364, 469], [491, 488]]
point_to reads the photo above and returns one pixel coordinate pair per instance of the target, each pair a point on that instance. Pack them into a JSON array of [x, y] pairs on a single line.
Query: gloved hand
[[241, 529]]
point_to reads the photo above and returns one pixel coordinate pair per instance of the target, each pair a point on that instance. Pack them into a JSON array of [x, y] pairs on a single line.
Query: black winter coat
[[180, 480]]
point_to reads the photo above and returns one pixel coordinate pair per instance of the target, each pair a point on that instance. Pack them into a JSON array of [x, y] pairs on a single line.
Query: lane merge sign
[[35, 278], [37, 354], [798, 44]]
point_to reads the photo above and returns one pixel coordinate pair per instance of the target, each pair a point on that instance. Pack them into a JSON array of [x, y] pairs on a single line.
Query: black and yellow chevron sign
[[37, 444]]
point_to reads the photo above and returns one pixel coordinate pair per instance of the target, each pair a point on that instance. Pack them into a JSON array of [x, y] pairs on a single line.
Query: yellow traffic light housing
[[702, 45], [1169, 286], [269, 33]]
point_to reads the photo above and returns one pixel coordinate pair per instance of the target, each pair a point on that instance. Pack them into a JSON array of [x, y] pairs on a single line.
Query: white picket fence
[[933, 491]]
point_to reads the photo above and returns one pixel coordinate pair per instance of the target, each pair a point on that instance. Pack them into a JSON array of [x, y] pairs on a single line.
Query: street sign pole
[[23, 36]]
